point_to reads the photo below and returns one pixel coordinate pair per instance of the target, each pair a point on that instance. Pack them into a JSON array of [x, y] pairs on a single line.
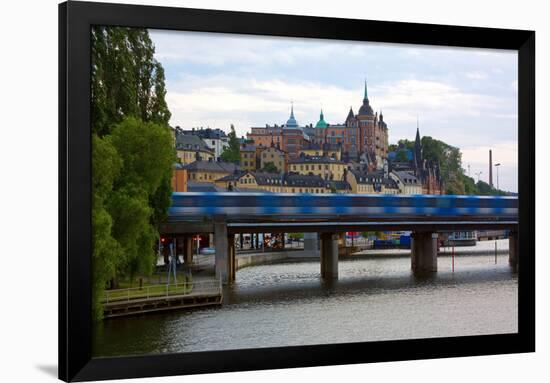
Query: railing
[[163, 290]]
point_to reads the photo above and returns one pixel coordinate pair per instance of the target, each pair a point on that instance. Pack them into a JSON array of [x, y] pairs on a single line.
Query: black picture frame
[[75, 243]]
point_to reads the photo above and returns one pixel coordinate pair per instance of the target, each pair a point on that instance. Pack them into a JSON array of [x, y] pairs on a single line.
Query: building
[[179, 178], [189, 148], [289, 137], [326, 167], [215, 139], [248, 157], [324, 149], [272, 154], [340, 187], [363, 135], [280, 183], [209, 171], [365, 182], [406, 182]]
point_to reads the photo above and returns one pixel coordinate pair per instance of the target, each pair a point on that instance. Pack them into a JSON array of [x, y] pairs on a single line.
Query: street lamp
[[478, 174], [497, 166]]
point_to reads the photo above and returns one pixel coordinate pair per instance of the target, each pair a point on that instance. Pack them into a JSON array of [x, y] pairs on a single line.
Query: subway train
[[194, 205]]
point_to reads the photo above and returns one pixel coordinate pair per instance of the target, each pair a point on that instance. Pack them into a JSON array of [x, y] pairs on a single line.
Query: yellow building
[[322, 150], [276, 156], [407, 182], [248, 157], [209, 171], [190, 148], [325, 167], [275, 183], [371, 183]]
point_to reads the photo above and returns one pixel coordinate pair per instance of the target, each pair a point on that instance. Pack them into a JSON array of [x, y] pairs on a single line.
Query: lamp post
[[478, 174], [497, 166]]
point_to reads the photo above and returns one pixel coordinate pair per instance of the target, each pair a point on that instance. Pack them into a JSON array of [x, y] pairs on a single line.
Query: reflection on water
[[288, 304]]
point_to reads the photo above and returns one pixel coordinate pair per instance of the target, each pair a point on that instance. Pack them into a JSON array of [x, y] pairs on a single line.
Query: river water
[[287, 304]]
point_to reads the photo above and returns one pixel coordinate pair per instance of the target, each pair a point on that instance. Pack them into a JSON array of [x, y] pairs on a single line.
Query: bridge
[[227, 214]]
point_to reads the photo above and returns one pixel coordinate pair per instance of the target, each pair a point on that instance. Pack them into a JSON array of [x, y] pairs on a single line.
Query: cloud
[[196, 99], [476, 75], [465, 97]]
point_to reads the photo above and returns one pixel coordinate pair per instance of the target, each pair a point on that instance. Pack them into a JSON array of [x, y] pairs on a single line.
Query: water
[[287, 304]]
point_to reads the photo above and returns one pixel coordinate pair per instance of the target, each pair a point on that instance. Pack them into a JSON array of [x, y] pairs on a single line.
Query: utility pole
[[478, 174], [497, 166]]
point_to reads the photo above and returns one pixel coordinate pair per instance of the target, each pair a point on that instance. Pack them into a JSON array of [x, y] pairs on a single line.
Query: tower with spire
[[417, 148], [321, 123], [365, 109], [291, 122], [361, 135]]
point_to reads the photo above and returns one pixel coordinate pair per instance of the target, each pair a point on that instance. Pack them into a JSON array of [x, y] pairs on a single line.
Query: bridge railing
[[212, 286]]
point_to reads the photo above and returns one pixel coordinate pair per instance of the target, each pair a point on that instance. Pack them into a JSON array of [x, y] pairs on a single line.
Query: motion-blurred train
[[341, 206]]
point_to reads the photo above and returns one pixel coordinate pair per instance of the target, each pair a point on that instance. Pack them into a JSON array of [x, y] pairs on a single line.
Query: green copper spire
[[321, 123], [366, 97]]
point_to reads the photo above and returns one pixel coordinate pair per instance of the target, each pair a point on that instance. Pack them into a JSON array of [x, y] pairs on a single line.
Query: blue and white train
[[343, 206]]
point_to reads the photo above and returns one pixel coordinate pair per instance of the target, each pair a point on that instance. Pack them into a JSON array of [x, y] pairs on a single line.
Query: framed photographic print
[[246, 191]]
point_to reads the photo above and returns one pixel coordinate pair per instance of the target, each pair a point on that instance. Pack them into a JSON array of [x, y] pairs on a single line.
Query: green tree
[[147, 155], [126, 78], [232, 153], [132, 154], [448, 157], [407, 144], [270, 167], [470, 187], [107, 253], [401, 156]]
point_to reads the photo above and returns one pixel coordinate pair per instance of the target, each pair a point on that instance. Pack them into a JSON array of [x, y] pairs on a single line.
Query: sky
[[462, 96]]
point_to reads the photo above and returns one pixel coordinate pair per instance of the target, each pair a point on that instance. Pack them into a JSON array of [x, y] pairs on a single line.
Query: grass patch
[[152, 287]]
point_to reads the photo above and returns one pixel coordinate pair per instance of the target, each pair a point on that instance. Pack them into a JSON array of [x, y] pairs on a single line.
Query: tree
[[132, 155], [232, 153], [126, 78], [401, 156], [107, 253], [270, 167], [147, 155]]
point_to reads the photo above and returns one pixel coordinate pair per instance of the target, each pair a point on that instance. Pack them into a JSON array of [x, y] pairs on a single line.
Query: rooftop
[[190, 142], [213, 166]]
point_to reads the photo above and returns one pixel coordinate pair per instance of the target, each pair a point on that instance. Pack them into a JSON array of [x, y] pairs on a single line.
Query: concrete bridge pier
[[311, 244], [329, 256], [424, 252], [188, 249], [225, 252], [513, 249]]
